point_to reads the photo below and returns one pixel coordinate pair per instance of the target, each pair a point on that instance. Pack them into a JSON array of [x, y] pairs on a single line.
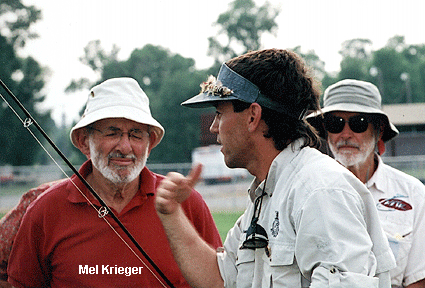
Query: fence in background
[[413, 165], [39, 174], [225, 196]]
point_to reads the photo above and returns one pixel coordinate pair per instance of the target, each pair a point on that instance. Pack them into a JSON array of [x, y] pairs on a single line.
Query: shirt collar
[[281, 162], [378, 178]]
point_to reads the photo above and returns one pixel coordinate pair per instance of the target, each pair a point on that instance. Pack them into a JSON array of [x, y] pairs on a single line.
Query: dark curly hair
[[282, 76]]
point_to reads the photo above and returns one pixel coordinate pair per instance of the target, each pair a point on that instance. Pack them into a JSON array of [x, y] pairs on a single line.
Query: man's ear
[[82, 141], [254, 116]]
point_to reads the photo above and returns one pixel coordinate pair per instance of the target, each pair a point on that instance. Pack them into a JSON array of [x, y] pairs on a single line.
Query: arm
[[9, 226], [196, 259], [25, 255], [419, 284], [335, 246], [4, 284], [414, 273]]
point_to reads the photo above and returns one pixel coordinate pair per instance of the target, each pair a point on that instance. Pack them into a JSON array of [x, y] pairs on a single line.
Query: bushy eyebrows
[[118, 124], [113, 128]]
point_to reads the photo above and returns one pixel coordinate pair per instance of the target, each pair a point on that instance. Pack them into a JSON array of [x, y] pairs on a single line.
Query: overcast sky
[[183, 26]]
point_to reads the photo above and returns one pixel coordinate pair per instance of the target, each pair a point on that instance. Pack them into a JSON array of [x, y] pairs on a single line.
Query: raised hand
[[175, 189]]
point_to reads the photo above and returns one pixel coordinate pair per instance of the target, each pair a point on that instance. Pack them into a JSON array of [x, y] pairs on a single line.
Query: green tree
[[96, 58], [241, 28], [23, 76], [313, 61], [356, 56], [397, 69], [16, 20], [390, 65], [400, 71]]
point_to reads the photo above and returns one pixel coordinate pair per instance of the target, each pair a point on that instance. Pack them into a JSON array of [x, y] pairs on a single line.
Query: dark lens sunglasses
[[335, 124], [256, 235]]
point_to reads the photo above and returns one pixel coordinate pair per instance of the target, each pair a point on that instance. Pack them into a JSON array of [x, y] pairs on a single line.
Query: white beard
[[350, 158], [113, 175]]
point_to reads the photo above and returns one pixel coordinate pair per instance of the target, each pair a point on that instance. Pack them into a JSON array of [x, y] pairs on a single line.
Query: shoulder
[[396, 179], [51, 195], [399, 176], [314, 176], [320, 170], [195, 201]]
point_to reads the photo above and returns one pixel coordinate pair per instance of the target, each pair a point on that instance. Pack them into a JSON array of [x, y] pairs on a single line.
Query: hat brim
[[316, 118], [131, 113], [204, 100]]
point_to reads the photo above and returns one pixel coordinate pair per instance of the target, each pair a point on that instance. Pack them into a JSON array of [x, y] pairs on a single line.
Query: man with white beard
[[356, 128], [66, 239]]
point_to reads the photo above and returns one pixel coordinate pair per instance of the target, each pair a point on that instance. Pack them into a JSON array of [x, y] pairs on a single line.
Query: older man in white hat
[[62, 241], [356, 128]]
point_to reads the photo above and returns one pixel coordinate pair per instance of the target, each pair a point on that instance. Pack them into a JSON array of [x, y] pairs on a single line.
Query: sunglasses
[[335, 124], [256, 235]]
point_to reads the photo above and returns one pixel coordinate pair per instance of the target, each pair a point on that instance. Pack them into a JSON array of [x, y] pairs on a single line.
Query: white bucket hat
[[351, 95], [118, 98]]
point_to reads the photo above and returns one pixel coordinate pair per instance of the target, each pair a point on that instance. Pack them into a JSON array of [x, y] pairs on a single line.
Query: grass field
[[225, 221]]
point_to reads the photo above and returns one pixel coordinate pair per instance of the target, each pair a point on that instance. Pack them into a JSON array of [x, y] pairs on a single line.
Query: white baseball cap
[[118, 98]]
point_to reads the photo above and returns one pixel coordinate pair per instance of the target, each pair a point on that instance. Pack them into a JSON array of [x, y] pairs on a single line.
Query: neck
[[364, 171], [261, 162], [116, 196]]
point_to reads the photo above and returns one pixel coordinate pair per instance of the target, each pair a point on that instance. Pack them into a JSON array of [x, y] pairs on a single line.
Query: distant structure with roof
[[410, 121]]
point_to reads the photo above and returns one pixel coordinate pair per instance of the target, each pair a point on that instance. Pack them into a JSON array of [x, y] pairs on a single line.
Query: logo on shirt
[[393, 203], [275, 225]]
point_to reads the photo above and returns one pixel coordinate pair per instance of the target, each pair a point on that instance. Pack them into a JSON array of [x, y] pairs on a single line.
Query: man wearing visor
[[310, 222], [356, 128]]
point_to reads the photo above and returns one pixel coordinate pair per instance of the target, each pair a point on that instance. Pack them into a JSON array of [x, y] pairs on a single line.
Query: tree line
[[398, 70]]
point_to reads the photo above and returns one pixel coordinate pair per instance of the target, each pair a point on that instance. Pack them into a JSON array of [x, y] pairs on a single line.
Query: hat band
[[343, 98], [247, 91]]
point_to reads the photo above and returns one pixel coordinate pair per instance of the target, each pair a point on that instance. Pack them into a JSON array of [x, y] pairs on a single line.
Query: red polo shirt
[[63, 243]]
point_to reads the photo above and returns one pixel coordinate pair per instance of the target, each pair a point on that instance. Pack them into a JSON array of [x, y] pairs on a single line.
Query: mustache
[[121, 155], [341, 143]]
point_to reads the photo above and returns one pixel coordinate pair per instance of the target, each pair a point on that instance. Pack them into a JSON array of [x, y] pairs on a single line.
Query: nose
[[346, 132], [124, 144], [214, 126]]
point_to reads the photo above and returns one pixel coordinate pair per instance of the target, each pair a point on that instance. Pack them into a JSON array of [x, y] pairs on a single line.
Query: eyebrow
[[116, 128]]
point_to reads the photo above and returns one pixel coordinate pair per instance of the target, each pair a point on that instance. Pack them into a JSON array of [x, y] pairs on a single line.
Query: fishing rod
[[29, 121]]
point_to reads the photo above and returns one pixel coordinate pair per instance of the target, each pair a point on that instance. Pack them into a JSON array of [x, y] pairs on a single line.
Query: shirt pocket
[[281, 267], [399, 237], [400, 246], [245, 264]]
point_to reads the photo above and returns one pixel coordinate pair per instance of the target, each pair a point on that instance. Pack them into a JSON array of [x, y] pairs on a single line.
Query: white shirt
[[400, 199], [322, 226]]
